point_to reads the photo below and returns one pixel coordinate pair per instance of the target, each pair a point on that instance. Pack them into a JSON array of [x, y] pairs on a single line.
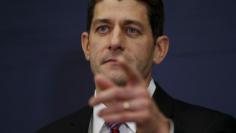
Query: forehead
[[121, 10]]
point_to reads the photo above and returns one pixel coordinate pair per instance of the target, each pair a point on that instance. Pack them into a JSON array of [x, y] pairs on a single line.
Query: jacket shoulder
[[72, 123], [200, 119]]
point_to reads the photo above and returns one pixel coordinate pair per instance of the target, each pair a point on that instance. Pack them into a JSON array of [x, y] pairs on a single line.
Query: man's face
[[119, 29]]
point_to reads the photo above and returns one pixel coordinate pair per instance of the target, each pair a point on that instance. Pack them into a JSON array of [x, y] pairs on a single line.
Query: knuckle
[[147, 103], [117, 93], [144, 92], [124, 117]]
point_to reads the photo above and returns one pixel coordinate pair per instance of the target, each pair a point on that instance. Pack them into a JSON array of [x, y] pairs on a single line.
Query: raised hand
[[129, 103]]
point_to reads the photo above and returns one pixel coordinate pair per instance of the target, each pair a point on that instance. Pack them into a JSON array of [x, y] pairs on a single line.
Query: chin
[[118, 77]]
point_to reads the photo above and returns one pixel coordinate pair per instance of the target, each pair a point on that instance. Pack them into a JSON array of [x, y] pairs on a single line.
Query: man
[[124, 39]]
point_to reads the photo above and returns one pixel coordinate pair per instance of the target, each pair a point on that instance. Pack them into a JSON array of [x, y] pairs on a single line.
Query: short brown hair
[[155, 14]]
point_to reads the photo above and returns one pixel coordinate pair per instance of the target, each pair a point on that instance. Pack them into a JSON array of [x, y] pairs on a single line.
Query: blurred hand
[[129, 103]]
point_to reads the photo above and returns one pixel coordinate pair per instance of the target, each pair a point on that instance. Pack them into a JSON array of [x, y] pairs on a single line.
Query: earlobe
[[85, 44], [161, 49]]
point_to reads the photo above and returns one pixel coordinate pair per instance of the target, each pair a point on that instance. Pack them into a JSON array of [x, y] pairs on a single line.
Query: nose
[[116, 39]]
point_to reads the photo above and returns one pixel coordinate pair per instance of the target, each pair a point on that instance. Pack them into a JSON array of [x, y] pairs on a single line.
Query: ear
[[161, 49], [85, 44]]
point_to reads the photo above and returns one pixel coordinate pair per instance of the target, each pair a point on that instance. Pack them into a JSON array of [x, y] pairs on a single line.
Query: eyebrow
[[128, 22], [125, 22], [97, 21]]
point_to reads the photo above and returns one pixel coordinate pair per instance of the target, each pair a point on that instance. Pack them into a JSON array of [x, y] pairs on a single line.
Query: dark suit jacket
[[187, 118]]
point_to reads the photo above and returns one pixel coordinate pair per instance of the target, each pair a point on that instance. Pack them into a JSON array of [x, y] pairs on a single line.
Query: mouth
[[110, 60]]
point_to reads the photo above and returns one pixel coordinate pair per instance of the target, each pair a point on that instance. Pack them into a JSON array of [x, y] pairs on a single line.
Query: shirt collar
[[98, 122]]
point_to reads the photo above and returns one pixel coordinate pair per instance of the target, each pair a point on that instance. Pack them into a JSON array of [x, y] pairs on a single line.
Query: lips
[[110, 60]]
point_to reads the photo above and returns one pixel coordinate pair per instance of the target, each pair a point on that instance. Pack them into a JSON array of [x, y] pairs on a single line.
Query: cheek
[[141, 49], [98, 45], [94, 60], [94, 55], [96, 52], [143, 53]]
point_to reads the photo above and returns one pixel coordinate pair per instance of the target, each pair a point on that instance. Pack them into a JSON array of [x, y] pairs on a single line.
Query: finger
[[116, 94], [103, 82], [133, 75], [134, 105], [137, 117], [107, 96]]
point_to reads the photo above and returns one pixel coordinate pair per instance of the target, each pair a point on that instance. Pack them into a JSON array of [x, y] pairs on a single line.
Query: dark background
[[44, 76]]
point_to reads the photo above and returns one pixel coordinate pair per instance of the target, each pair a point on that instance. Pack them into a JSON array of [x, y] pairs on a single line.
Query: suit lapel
[[163, 101], [81, 119]]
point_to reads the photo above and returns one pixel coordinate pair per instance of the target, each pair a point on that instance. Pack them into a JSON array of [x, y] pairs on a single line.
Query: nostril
[[115, 47]]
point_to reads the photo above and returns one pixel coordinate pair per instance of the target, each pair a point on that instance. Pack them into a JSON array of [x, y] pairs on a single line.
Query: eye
[[102, 29], [132, 31]]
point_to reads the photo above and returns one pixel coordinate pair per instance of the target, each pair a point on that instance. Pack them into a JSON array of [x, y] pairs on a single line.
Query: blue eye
[[132, 31], [102, 29]]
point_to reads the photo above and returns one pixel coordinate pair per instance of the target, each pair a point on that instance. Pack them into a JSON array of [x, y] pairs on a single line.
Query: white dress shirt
[[98, 124]]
